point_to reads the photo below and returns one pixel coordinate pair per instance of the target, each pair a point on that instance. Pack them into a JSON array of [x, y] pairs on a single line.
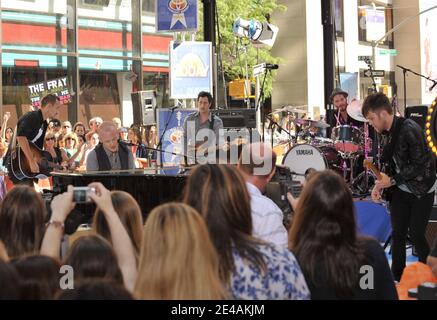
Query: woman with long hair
[[92, 257], [323, 237], [22, 217], [178, 260], [130, 215], [39, 277], [249, 267]]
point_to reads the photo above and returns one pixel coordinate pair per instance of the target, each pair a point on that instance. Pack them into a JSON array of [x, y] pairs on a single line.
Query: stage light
[[259, 33], [431, 127]]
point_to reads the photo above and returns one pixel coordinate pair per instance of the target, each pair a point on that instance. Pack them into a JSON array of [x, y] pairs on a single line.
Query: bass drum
[[302, 157]]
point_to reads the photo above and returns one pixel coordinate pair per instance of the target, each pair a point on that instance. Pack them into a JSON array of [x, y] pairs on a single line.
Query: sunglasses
[[52, 138]]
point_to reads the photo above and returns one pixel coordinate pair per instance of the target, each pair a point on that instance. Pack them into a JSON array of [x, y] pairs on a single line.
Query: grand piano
[[150, 187]]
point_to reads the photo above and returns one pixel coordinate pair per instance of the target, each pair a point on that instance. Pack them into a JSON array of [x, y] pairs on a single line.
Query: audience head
[[10, 282], [9, 133], [66, 127], [134, 135], [94, 139], [219, 194], [39, 277], [54, 125], [324, 231], [22, 217], [70, 141], [79, 128], [96, 289], [81, 139], [176, 232], [130, 215], [258, 164], [108, 135], [49, 140], [117, 122], [93, 257], [94, 123]]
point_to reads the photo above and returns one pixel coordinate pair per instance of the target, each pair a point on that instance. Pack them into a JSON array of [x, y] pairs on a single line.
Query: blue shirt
[[283, 280]]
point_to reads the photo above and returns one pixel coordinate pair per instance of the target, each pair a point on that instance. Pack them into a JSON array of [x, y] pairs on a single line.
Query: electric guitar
[[386, 192], [19, 167]]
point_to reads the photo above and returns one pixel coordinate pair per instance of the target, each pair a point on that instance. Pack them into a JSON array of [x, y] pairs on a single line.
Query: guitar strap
[[13, 142]]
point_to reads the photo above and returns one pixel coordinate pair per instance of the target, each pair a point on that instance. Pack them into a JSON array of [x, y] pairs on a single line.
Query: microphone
[[173, 108], [271, 66], [433, 86]]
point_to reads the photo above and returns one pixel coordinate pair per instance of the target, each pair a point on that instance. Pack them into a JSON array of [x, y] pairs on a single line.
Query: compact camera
[[81, 194]]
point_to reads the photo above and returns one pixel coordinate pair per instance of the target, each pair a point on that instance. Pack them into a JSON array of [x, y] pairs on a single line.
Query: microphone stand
[[261, 98], [274, 123], [162, 135], [405, 70]]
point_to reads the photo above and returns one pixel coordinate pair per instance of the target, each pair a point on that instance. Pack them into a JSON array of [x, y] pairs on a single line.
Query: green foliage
[[237, 51]]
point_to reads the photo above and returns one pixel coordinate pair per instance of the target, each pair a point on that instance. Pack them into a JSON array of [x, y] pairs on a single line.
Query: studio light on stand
[[259, 33]]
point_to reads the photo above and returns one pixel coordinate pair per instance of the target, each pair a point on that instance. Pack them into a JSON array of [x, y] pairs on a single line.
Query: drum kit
[[343, 152]]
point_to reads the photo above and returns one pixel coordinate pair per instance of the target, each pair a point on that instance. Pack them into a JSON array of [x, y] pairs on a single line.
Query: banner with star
[[176, 15]]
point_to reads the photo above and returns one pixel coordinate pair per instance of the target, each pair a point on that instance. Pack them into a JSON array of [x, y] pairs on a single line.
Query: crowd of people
[[224, 239], [214, 244]]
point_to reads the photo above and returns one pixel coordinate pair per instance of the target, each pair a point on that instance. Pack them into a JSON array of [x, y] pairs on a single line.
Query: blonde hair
[[178, 260], [73, 136]]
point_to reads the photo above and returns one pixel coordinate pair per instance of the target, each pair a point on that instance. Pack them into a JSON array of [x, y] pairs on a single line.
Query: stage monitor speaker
[[144, 106], [237, 118], [418, 114]]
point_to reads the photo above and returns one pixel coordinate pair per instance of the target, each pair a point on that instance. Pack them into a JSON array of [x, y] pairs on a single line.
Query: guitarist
[[32, 127], [195, 137], [410, 177]]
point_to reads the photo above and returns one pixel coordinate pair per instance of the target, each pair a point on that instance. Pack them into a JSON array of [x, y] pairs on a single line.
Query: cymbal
[[290, 109], [354, 110], [311, 123]]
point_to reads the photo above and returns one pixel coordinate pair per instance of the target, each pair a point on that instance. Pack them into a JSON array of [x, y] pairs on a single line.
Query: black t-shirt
[[33, 127], [384, 286]]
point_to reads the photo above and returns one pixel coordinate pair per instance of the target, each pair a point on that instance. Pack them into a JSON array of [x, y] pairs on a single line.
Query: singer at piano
[[409, 175], [110, 153]]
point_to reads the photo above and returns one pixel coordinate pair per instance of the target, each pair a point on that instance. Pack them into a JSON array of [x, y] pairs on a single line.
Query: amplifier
[[237, 118], [418, 114]]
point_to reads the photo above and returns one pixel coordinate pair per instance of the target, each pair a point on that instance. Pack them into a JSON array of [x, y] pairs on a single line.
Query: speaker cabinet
[[144, 107], [418, 114]]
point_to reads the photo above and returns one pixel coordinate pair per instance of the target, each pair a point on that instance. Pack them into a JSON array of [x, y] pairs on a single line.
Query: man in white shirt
[[258, 164]]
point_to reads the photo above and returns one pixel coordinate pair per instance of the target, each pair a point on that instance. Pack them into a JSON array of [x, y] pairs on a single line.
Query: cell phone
[[81, 194]]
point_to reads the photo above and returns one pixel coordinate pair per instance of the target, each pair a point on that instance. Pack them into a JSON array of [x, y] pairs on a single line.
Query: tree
[[235, 51]]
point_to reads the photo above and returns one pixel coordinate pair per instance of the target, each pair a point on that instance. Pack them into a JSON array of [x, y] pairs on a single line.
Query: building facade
[[90, 42]]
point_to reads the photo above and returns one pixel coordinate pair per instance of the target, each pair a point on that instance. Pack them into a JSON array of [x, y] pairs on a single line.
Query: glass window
[[149, 6], [339, 18], [105, 84], [16, 79], [105, 28], [363, 29], [28, 29], [159, 83]]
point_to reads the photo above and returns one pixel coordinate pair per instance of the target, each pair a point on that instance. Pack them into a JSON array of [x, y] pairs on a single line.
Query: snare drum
[[347, 139], [302, 157]]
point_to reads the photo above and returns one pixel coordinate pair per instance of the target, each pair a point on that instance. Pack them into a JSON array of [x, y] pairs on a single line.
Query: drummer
[[341, 117]]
